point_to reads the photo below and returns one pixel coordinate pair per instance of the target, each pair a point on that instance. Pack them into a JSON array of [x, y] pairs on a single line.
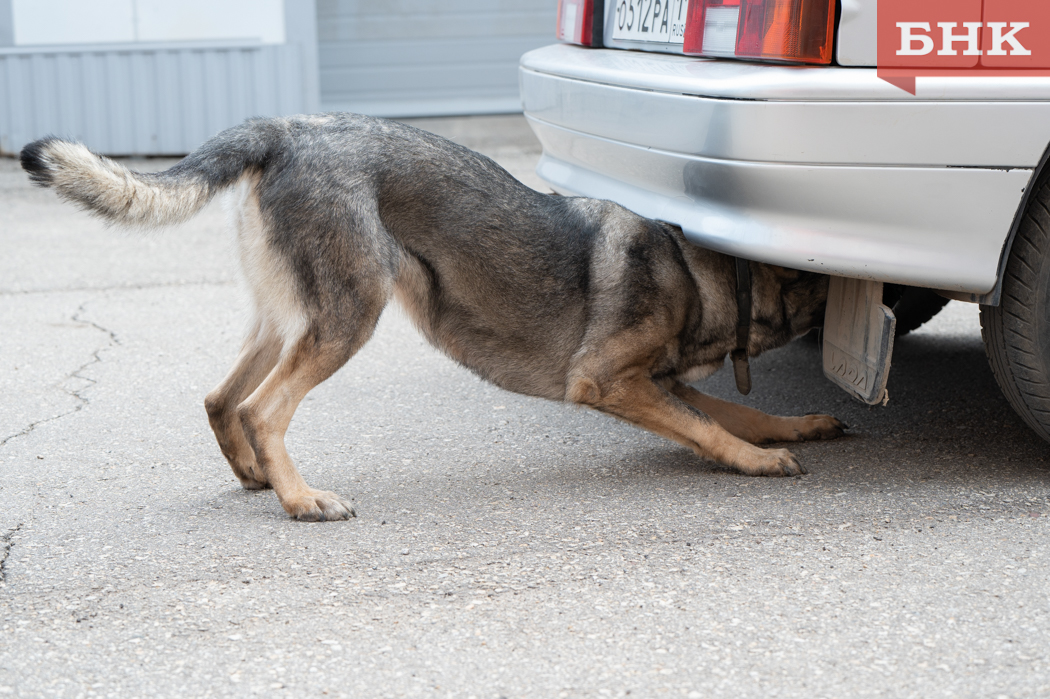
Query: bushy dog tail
[[112, 191]]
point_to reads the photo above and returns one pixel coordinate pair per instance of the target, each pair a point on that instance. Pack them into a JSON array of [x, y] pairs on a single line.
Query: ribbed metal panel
[[427, 57], [147, 99]]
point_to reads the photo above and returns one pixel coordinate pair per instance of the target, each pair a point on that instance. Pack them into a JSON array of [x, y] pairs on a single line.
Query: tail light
[[781, 30], [581, 21]]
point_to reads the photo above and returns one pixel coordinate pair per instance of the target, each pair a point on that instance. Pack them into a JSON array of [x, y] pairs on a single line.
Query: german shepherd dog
[[566, 298]]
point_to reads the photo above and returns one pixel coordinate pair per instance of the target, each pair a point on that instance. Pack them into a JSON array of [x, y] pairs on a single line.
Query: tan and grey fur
[[570, 299]]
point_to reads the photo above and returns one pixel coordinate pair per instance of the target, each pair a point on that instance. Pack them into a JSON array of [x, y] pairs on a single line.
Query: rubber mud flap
[[858, 339]]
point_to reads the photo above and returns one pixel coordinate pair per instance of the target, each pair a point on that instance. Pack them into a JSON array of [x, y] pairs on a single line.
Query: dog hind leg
[[258, 356], [755, 426], [267, 412]]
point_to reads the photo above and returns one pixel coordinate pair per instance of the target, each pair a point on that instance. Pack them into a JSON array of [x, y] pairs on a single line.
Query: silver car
[[790, 150]]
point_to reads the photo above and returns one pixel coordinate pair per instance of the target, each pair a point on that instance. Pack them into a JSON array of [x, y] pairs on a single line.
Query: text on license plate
[[661, 21]]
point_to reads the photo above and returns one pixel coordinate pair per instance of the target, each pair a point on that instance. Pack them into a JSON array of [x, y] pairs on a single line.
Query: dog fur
[[565, 298]]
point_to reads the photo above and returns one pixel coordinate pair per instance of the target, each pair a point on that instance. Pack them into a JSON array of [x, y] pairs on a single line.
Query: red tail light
[[581, 21], [781, 30]]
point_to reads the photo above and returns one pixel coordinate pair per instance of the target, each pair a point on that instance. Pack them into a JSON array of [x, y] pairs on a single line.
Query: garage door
[[427, 57]]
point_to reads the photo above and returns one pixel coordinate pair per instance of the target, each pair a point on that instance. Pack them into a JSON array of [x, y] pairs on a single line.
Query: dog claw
[[320, 506], [793, 468], [252, 484], [812, 427], [772, 462]]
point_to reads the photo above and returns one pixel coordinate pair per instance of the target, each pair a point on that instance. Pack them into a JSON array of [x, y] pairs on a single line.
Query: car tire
[[1016, 333], [911, 305]]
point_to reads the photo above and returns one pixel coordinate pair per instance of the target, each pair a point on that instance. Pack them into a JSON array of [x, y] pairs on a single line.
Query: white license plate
[[659, 21]]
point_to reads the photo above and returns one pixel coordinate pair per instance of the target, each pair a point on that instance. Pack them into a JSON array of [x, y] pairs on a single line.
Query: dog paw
[[250, 483], [319, 506], [250, 476], [771, 462], [813, 427]]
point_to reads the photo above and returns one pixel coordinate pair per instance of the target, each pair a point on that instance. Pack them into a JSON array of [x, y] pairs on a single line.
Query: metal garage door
[[427, 57]]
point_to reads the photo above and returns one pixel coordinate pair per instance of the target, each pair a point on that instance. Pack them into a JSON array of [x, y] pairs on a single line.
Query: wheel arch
[[1042, 171]]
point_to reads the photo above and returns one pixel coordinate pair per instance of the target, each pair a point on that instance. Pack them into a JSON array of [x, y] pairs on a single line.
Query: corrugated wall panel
[[159, 100], [427, 57]]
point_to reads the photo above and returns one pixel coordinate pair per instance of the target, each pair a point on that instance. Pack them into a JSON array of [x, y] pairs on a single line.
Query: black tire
[[1016, 333], [911, 305]]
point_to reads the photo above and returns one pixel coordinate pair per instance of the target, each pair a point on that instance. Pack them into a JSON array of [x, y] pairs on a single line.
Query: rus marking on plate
[[849, 369]]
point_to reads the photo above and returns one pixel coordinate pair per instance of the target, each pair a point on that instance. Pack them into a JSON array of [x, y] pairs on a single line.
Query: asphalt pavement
[[504, 546]]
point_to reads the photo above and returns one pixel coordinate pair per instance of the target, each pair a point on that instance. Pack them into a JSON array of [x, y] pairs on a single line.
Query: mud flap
[[858, 339]]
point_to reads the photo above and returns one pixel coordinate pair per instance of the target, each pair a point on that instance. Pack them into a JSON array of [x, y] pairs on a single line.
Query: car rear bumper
[[826, 169]]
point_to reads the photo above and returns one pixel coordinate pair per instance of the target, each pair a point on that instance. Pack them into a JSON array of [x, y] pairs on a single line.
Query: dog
[[566, 298]]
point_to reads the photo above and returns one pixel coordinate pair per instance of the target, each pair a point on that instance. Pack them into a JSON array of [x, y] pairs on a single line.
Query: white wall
[[39, 22], [72, 22]]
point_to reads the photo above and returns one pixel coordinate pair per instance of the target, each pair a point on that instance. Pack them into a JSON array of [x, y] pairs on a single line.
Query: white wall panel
[[72, 21], [185, 20], [46, 22]]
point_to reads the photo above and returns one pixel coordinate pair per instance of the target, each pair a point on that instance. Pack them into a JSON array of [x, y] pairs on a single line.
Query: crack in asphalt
[[116, 287], [96, 358], [77, 318], [5, 550]]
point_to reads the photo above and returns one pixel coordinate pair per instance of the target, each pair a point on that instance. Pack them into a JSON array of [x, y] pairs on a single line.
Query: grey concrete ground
[[505, 547]]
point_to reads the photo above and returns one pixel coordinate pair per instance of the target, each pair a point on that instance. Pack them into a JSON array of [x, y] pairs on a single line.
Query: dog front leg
[[637, 399], [756, 426]]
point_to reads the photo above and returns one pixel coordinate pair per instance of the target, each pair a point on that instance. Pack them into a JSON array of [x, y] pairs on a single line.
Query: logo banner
[[954, 38]]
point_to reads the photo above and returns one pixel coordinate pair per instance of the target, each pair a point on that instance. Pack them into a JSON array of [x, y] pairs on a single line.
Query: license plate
[[657, 21]]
